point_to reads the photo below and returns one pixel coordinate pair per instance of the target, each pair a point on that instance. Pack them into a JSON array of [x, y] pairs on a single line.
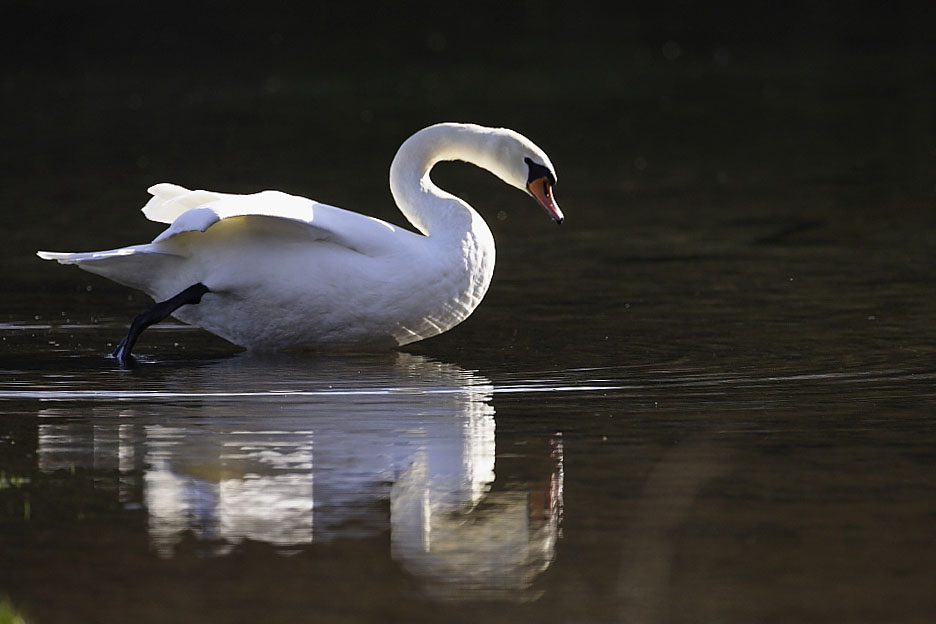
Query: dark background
[[678, 111]]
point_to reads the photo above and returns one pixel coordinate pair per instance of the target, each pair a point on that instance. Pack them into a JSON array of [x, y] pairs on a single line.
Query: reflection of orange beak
[[542, 191]]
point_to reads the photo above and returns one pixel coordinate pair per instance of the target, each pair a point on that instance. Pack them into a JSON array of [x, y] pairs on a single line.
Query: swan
[[271, 271]]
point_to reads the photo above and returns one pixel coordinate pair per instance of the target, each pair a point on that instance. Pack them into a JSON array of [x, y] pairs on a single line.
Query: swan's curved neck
[[430, 209]]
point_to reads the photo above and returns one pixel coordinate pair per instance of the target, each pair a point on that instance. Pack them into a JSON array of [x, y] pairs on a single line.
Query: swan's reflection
[[232, 485], [493, 548], [289, 456]]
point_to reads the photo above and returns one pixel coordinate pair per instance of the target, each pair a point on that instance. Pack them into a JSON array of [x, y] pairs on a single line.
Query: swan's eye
[[538, 171]]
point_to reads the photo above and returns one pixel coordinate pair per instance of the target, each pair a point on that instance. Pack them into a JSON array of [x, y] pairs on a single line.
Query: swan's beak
[[541, 189]]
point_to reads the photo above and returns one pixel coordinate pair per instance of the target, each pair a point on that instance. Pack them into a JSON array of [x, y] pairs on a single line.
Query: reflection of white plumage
[[273, 271], [292, 451]]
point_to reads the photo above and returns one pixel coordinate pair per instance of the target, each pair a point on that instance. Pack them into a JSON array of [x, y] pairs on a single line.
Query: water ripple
[[63, 388]]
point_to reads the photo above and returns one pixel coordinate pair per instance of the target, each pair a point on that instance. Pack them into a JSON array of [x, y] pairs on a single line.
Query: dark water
[[707, 397]]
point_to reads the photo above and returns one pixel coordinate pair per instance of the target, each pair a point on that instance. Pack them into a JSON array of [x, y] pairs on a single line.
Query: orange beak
[[541, 189]]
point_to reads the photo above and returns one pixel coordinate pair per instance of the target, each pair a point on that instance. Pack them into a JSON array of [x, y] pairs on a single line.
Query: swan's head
[[525, 166]]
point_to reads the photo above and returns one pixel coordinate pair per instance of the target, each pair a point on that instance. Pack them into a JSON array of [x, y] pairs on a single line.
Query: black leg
[[156, 313]]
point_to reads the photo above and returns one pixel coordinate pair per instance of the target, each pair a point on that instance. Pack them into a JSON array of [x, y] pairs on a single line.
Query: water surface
[[707, 397]]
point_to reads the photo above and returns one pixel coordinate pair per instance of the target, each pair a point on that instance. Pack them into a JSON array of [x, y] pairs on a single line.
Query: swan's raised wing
[[196, 211], [162, 268]]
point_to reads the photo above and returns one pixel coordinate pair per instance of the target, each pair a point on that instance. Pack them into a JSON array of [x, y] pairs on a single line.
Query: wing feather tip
[[166, 189], [62, 257]]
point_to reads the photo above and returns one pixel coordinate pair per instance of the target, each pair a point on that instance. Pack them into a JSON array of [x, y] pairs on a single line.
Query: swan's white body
[[288, 272]]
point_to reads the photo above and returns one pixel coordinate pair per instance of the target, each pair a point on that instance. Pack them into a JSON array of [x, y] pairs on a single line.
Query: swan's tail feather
[[138, 266]]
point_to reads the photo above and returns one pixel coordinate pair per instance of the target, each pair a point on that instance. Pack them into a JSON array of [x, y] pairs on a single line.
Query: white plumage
[[288, 272]]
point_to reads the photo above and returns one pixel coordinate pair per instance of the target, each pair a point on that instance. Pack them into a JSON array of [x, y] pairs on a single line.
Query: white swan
[[273, 271]]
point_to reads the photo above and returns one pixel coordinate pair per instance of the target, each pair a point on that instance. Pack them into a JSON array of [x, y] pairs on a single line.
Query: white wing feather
[[159, 267], [190, 211]]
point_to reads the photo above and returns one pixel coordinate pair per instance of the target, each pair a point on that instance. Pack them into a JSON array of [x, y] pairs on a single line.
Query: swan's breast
[[459, 278]]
